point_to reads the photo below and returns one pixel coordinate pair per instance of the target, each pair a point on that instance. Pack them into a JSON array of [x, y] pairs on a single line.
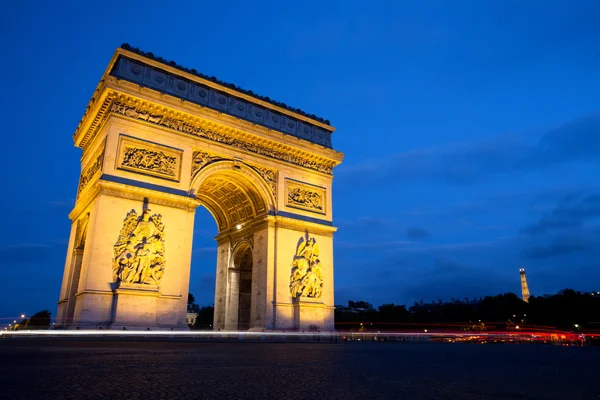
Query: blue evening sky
[[471, 132]]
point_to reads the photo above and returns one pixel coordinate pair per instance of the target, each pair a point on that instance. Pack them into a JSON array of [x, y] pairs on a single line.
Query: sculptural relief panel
[[148, 158], [306, 278], [139, 253], [305, 196]]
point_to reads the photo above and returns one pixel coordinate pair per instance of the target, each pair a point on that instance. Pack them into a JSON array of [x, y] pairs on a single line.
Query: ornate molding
[[140, 156], [306, 278], [305, 196], [192, 128], [200, 159], [139, 253], [91, 171]]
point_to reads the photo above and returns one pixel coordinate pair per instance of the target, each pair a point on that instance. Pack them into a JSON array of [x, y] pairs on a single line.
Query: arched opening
[[202, 272], [237, 197]]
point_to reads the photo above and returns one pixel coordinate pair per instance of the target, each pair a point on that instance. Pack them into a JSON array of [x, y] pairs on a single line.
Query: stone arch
[[233, 192], [146, 157]]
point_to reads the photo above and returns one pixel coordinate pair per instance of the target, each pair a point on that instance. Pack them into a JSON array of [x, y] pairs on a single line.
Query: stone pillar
[[100, 300], [233, 299], [301, 312], [73, 284], [221, 285], [65, 297], [259, 312]]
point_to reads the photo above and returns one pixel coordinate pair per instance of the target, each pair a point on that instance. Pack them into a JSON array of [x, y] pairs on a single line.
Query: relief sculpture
[[307, 278], [200, 159], [270, 177], [90, 172], [139, 254], [149, 160], [305, 198]]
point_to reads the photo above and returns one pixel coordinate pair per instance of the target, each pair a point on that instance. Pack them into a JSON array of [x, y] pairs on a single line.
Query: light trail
[[469, 337]]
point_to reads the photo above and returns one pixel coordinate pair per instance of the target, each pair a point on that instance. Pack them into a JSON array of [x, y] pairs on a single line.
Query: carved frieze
[[210, 134], [306, 279], [139, 253], [91, 171], [270, 177], [200, 159], [305, 196], [144, 157]]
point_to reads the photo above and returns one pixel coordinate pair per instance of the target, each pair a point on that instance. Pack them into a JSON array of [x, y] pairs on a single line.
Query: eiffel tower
[[524, 287]]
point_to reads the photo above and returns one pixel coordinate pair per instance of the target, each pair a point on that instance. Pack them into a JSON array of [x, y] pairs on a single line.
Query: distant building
[[524, 287], [190, 318]]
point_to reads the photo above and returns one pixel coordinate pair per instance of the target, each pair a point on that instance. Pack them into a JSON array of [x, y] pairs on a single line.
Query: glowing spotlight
[[239, 226], [22, 315]]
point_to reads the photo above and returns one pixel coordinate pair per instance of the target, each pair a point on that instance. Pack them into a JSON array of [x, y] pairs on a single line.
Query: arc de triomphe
[[159, 140]]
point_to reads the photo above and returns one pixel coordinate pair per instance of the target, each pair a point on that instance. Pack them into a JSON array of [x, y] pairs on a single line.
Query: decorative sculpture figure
[[306, 279], [139, 254]]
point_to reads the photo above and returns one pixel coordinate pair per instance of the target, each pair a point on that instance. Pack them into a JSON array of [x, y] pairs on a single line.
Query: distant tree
[[393, 313], [205, 318], [40, 320], [191, 299]]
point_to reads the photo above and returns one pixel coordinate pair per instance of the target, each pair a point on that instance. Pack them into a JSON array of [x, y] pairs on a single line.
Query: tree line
[[568, 309]]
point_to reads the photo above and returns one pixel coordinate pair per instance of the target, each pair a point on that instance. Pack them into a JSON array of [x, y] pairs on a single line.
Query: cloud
[[62, 203], [205, 250], [559, 247], [418, 234], [572, 211], [472, 162], [449, 265]]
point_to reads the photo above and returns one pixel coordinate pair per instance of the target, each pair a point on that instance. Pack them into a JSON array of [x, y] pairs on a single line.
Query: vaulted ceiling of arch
[[243, 259], [232, 202]]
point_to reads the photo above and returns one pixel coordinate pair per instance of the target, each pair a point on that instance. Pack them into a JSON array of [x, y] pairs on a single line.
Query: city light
[[22, 315]]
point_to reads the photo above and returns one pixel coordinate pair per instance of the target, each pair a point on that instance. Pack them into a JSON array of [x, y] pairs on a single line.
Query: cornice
[[299, 225], [175, 70], [130, 101]]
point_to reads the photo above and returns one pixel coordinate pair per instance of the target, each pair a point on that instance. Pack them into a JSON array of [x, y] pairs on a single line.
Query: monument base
[[312, 315], [134, 307]]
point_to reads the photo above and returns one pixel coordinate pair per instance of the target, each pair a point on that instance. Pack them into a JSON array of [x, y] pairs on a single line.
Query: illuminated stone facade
[[158, 142]]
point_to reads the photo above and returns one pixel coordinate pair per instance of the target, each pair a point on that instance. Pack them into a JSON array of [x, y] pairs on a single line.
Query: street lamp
[[22, 315]]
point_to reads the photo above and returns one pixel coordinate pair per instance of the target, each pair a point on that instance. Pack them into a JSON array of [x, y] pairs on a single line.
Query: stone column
[[221, 285], [233, 299], [77, 259]]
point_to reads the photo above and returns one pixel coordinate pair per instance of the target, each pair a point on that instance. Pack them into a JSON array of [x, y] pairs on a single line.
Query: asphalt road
[[92, 369]]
